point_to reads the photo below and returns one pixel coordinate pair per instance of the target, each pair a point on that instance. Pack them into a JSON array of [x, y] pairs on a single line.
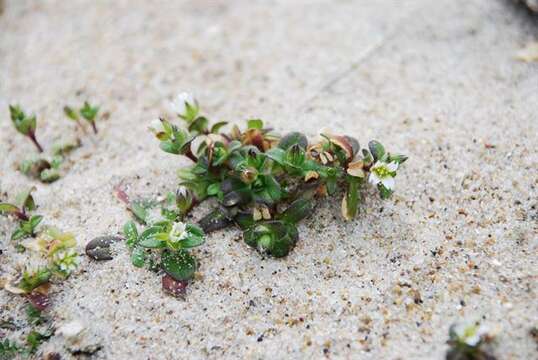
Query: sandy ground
[[434, 79]]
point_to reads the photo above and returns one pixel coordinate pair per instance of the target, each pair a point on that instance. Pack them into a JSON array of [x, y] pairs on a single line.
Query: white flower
[[179, 105], [470, 334], [382, 172], [178, 232], [66, 260], [156, 127]]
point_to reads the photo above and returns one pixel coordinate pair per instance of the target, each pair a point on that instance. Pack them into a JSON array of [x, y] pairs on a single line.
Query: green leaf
[[139, 211], [18, 234], [276, 154], [399, 159], [70, 113], [217, 126], [49, 175], [298, 210], [178, 264], [89, 112], [8, 208], [131, 233], [255, 124], [383, 191], [153, 237], [200, 125], [34, 221], [191, 241], [274, 238], [138, 256], [377, 150], [293, 138], [350, 202], [32, 280], [213, 189], [25, 199]]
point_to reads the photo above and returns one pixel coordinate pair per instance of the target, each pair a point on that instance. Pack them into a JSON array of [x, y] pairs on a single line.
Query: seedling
[[25, 124], [88, 113], [24, 203], [266, 184]]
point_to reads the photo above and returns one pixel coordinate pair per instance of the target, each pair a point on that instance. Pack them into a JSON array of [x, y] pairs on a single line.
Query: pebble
[[100, 248]]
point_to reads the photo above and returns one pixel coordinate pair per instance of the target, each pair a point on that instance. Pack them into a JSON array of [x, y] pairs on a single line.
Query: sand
[[436, 80]]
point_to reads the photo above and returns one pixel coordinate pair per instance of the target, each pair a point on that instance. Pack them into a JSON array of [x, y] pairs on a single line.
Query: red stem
[[36, 143], [94, 127]]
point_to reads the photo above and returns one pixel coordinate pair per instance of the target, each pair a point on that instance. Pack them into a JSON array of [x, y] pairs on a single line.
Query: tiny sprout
[[27, 224], [26, 125], [89, 113]]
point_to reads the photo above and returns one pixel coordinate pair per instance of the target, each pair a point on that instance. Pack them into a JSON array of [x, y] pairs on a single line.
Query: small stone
[[78, 338], [99, 248], [176, 288]]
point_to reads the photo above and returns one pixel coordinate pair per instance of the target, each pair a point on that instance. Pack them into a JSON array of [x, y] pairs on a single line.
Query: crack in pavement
[[368, 52]]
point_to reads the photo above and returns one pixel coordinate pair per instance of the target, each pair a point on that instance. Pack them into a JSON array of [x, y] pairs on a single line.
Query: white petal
[[374, 179], [156, 126], [388, 182], [393, 166]]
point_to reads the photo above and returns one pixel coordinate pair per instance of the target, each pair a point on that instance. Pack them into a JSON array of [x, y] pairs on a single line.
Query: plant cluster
[[165, 241], [263, 183], [468, 341], [55, 251], [46, 168]]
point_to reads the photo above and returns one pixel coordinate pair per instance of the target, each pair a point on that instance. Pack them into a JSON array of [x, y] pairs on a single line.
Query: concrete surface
[[434, 79]]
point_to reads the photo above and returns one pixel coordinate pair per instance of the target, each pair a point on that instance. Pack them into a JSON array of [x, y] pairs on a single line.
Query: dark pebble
[[99, 248]]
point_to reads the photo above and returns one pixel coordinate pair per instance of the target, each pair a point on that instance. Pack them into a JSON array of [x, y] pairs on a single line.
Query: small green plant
[[468, 341], [266, 184], [43, 167], [165, 244], [263, 183], [87, 112], [25, 124], [28, 224]]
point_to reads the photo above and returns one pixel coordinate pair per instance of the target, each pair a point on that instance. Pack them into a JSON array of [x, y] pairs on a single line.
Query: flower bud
[[183, 199], [295, 155]]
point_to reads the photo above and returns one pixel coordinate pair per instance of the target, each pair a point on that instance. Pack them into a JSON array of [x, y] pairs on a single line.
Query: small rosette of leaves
[[172, 240], [24, 203]]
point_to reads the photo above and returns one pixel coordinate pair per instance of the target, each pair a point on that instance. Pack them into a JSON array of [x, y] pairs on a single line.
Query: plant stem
[[94, 127], [191, 156], [36, 143], [21, 215]]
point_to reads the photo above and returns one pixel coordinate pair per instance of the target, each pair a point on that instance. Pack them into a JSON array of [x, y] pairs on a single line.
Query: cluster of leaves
[[46, 168], [266, 184], [87, 112], [52, 245], [468, 342], [40, 332], [165, 241], [24, 203]]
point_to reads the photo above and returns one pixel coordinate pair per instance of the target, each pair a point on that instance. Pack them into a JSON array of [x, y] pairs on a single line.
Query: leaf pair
[[87, 112]]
